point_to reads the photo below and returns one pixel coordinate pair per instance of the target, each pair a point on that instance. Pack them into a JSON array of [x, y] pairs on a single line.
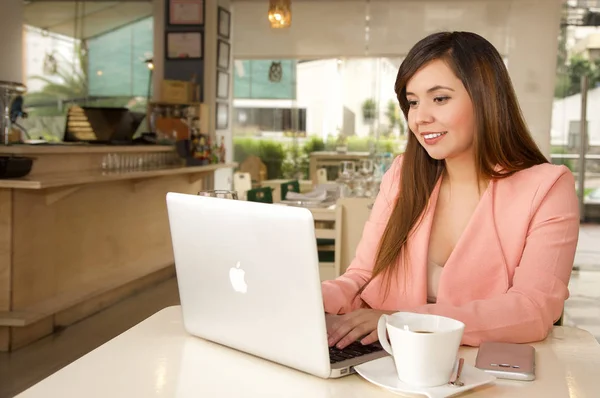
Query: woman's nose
[[423, 114]]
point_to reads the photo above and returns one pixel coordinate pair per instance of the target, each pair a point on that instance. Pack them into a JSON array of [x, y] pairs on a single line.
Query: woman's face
[[440, 112]]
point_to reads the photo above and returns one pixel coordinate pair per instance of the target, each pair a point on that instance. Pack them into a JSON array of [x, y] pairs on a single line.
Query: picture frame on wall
[[224, 23], [185, 12], [184, 45], [223, 53], [222, 115], [222, 85]]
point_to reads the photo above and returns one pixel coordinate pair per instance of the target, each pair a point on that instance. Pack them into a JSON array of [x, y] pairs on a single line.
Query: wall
[[319, 92], [396, 26], [532, 62], [11, 45], [326, 87]]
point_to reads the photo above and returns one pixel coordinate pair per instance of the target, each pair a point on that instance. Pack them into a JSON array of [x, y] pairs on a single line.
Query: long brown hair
[[501, 139]]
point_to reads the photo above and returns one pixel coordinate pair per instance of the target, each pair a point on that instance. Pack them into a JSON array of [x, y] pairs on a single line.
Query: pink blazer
[[507, 278]]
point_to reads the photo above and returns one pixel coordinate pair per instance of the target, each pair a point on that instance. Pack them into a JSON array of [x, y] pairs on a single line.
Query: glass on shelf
[[358, 179], [221, 194], [136, 162], [347, 169]]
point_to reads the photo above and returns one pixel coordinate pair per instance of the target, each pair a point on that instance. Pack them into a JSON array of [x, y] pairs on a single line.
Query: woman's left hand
[[342, 330]]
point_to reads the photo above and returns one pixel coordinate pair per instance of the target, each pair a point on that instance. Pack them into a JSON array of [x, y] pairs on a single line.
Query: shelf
[[57, 180], [325, 233], [66, 300], [78, 148], [166, 103]]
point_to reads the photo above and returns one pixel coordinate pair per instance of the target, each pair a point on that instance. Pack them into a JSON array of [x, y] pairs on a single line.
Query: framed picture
[[184, 45], [223, 49], [224, 22], [186, 12], [222, 115], [222, 85]]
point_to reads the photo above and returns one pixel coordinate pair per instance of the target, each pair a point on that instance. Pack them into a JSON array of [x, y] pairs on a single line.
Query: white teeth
[[434, 135]]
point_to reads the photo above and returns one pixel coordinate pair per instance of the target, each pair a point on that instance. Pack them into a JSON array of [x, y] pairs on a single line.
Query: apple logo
[[236, 276]]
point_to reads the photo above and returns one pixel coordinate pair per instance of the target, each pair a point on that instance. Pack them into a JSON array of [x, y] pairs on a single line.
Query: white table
[[157, 358]]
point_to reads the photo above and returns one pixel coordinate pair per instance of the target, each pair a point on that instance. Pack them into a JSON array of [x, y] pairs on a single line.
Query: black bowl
[[15, 166]]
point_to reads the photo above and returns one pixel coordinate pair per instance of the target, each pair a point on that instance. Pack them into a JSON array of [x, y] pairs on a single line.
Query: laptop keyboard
[[354, 350]]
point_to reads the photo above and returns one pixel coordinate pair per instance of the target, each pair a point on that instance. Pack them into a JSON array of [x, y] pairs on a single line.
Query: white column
[[532, 49], [11, 43]]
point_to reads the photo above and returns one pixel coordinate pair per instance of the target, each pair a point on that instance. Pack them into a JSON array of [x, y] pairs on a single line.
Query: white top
[[157, 358]]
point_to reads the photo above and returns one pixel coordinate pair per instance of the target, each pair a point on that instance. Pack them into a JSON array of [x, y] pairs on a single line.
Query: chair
[[328, 227], [256, 168], [355, 212], [262, 195], [242, 183], [289, 186], [322, 176]]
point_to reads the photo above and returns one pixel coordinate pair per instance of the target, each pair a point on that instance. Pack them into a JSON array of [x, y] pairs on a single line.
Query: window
[[269, 119]]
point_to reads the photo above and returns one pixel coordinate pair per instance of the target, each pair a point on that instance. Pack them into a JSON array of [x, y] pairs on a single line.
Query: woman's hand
[[342, 330]]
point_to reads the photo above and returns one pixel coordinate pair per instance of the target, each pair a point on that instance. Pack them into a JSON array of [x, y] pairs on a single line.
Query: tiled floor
[[582, 309], [23, 368], [27, 366], [588, 248]]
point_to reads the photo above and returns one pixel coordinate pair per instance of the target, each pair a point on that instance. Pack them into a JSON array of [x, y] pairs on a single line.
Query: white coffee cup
[[424, 346]]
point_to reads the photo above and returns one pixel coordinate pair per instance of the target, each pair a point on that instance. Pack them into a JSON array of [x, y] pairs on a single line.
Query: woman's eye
[[412, 104], [441, 100]]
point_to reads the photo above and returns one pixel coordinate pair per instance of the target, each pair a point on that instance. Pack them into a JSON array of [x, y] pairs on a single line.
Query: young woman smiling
[[471, 222]]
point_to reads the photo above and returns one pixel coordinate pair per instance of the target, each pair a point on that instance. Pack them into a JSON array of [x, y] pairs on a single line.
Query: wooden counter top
[[55, 180], [52, 149]]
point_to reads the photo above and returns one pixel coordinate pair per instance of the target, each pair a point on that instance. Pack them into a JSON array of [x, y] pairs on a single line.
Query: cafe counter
[[85, 228]]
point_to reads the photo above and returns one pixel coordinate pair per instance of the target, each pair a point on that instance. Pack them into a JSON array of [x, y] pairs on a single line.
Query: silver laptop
[[248, 276]]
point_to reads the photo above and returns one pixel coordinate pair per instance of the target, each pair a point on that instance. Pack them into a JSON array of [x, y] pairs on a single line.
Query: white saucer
[[382, 372]]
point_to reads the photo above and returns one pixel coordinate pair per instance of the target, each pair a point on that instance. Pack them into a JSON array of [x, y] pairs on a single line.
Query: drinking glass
[[221, 194]]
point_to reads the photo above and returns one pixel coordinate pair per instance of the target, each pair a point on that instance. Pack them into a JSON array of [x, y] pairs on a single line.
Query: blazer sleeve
[[535, 300], [340, 295]]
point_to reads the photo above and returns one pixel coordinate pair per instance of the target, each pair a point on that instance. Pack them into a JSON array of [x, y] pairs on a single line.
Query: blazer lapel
[[477, 267]]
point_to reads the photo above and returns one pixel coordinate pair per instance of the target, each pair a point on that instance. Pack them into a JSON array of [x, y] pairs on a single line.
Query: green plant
[[393, 114], [568, 82], [271, 153], [313, 144], [244, 147], [288, 161], [296, 162], [369, 108]]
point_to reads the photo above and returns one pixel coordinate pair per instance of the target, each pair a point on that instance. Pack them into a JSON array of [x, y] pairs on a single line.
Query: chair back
[[255, 167], [289, 186], [262, 195], [242, 183]]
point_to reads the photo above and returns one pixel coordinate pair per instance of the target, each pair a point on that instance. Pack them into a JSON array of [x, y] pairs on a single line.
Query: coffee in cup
[[424, 347]]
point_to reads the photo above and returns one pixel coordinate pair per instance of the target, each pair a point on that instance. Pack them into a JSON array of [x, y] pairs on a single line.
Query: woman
[[471, 222]]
